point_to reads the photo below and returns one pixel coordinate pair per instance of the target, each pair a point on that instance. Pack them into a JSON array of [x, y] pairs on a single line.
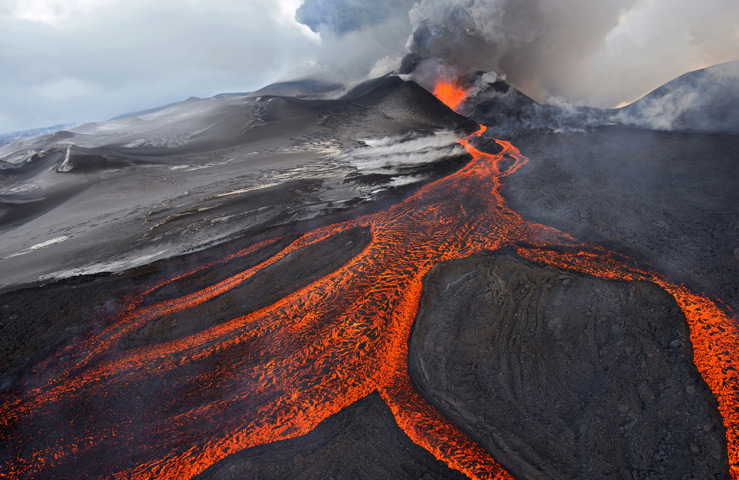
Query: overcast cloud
[[80, 60]]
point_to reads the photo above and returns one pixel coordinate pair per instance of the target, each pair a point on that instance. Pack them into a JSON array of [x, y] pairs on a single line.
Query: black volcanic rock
[[361, 442], [285, 276], [82, 160], [667, 198], [37, 319], [565, 376], [495, 101]]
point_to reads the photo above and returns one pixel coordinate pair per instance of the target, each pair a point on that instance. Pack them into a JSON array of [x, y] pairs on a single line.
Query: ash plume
[[359, 39], [600, 54], [534, 43], [345, 16]]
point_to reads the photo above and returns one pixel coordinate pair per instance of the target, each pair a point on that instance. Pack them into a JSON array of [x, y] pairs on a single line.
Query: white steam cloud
[[391, 155]]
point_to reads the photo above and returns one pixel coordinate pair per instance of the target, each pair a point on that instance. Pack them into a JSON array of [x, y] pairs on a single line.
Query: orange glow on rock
[[276, 373], [451, 94]]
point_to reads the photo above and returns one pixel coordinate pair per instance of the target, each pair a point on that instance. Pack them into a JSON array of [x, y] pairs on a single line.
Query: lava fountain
[[450, 93], [277, 372]]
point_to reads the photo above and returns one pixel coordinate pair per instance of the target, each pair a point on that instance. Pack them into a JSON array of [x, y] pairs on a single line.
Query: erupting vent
[[451, 94]]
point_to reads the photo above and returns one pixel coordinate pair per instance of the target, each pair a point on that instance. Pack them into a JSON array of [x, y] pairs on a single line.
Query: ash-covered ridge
[[173, 179]]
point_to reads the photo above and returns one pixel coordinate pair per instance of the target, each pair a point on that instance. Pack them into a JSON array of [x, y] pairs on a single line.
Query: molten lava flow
[[102, 408], [452, 94]]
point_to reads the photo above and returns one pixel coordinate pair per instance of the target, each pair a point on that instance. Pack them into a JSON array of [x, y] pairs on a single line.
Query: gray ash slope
[[175, 179], [506, 111], [6, 138]]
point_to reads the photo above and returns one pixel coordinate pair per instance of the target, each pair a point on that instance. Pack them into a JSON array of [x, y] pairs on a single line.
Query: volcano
[[314, 281]]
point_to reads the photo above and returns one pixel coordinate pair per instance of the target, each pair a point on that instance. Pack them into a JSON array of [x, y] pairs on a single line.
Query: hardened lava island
[[310, 281]]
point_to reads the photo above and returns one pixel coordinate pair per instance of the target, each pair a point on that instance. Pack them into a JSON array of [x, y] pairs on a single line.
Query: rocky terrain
[[362, 441], [561, 375], [667, 198]]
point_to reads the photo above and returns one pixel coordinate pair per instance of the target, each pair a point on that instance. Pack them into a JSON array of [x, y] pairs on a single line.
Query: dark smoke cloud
[[535, 43]]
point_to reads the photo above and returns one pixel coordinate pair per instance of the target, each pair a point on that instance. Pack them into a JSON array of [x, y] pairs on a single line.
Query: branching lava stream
[[172, 409]]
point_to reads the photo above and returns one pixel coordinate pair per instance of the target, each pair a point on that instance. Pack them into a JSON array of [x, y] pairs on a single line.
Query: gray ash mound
[[6, 138], [705, 100], [361, 442], [407, 104], [564, 376]]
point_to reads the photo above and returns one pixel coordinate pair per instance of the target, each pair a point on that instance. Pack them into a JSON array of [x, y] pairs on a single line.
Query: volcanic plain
[[199, 291]]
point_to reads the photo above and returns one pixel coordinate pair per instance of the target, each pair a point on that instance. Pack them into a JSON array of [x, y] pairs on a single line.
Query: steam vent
[[427, 274]]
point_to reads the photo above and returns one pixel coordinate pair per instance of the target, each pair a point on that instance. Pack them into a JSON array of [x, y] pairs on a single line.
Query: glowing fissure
[[277, 372]]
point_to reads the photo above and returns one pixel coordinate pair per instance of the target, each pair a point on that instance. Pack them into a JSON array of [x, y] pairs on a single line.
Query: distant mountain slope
[[384, 106], [6, 138], [704, 100], [304, 88], [506, 110]]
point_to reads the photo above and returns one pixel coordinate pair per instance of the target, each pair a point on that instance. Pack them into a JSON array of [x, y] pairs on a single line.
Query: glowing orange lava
[[451, 94], [172, 409]]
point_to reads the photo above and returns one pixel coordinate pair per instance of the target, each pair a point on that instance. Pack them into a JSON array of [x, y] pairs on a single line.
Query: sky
[[72, 61]]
